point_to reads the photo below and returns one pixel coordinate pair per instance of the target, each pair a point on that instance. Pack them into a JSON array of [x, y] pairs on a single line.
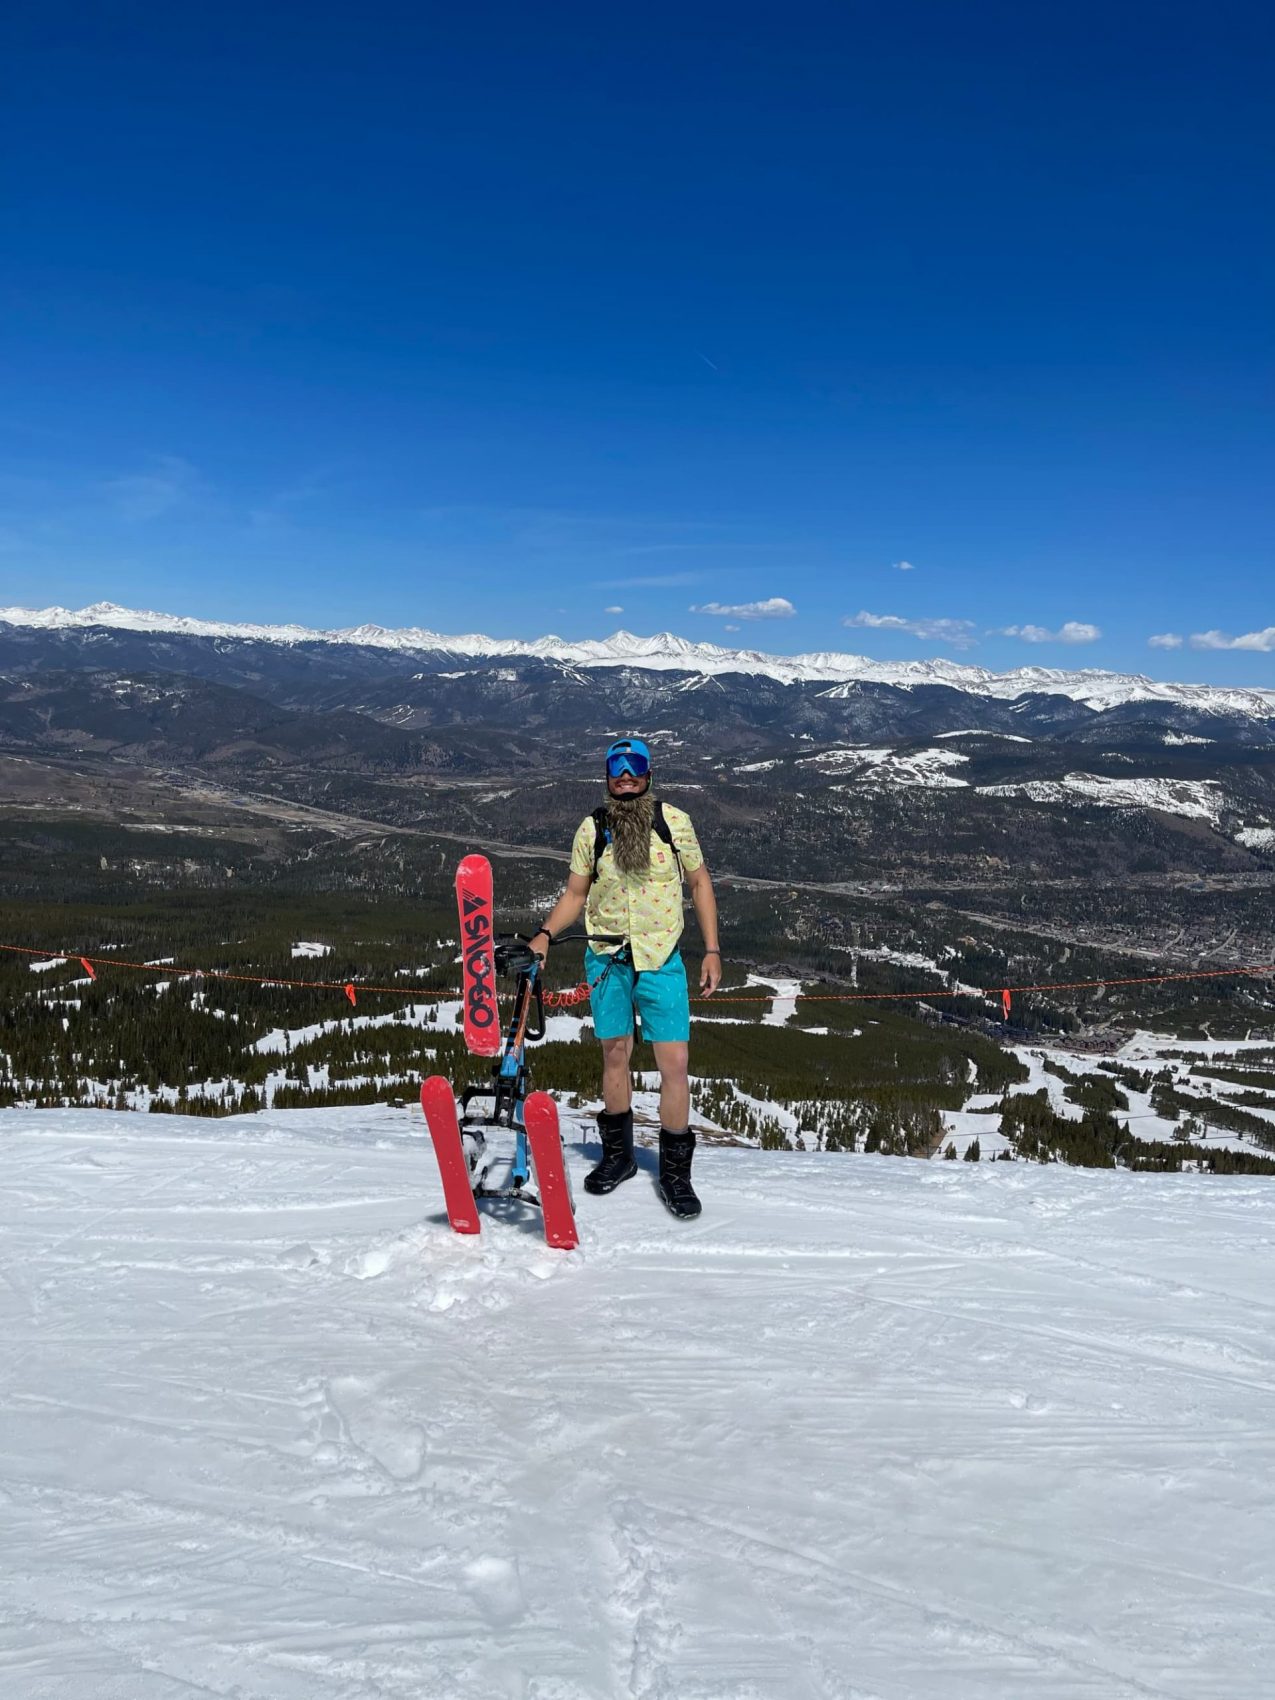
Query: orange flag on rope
[[1005, 1002], [87, 966], [349, 992]]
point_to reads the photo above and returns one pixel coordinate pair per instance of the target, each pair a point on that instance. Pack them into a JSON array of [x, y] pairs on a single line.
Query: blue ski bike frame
[[511, 1075]]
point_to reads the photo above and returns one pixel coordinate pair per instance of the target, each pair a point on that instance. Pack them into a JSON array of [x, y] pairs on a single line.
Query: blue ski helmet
[[628, 755]]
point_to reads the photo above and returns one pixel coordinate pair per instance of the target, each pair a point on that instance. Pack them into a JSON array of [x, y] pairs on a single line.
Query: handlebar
[[513, 953]]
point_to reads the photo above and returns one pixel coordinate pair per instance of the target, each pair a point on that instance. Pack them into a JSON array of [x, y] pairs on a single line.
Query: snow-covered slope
[[1197, 799], [667, 652], [869, 1428], [929, 769]]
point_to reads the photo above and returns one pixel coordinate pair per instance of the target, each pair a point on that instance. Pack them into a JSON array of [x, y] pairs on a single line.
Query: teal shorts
[[659, 995]]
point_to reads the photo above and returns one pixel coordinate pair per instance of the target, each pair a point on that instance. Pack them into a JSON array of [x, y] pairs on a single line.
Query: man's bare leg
[[617, 1081], [675, 1093]]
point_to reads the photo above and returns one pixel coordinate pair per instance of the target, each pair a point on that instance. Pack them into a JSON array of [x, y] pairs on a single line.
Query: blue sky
[[952, 323]]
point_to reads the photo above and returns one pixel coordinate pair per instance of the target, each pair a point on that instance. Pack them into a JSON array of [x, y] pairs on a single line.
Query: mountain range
[[666, 652], [827, 768]]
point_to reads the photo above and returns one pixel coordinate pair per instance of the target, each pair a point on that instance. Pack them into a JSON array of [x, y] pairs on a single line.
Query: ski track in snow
[[870, 1429]]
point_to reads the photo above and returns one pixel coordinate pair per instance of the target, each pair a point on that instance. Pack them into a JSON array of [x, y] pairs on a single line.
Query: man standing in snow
[[627, 864]]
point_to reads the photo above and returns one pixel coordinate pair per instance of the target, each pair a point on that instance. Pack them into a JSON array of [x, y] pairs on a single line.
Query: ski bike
[[538, 1174]]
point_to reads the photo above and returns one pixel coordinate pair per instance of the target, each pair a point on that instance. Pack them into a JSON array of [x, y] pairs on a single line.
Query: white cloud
[[730, 628], [958, 633], [1165, 640], [1264, 641], [773, 608], [1073, 631], [614, 609], [904, 567], [651, 581], [149, 495]]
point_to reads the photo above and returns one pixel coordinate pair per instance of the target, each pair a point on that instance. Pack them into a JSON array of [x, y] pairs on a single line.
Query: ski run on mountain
[[868, 1430]]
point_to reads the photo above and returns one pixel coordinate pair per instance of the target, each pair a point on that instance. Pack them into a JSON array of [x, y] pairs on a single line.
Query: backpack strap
[[602, 834], [664, 832]]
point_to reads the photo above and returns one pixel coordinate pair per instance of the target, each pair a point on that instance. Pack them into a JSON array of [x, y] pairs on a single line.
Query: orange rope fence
[[1002, 993], [576, 995], [350, 988]]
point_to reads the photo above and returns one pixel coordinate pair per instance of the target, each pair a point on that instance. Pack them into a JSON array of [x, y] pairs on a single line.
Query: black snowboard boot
[[616, 1133], [676, 1152]]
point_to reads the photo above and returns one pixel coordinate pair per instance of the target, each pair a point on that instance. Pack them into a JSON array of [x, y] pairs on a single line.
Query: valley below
[[892, 852]]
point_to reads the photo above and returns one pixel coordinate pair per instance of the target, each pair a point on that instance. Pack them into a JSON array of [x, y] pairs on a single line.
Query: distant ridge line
[[666, 652]]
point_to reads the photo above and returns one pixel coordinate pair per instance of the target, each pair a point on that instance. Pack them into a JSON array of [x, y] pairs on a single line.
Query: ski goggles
[[629, 756]]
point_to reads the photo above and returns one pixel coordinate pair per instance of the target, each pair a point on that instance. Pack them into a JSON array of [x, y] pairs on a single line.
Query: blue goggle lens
[[628, 761]]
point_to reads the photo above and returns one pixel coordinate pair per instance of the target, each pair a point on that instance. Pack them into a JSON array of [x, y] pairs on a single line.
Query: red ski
[[540, 1118], [439, 1105], [473, 903]]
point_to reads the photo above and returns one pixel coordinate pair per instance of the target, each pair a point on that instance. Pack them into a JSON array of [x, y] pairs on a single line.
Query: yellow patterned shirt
[[644, 908]]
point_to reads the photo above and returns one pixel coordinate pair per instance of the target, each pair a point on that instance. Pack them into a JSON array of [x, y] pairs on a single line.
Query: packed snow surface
[[665, 651], [870, 1428]]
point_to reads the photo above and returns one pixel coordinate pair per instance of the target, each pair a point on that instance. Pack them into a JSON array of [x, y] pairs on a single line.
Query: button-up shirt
[[644, 908]]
